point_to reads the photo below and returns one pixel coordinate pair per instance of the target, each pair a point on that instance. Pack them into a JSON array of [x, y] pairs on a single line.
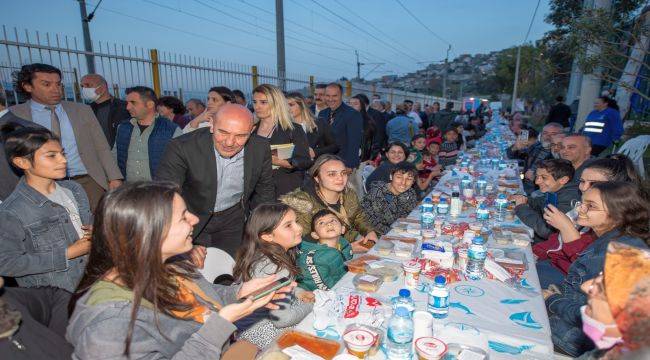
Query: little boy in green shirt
[[322, 263]]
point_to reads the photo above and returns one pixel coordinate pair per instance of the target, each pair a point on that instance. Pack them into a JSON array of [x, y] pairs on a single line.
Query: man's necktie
[[55, 125]]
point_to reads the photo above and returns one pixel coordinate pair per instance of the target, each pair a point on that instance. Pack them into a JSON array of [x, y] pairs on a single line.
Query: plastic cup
[[462, 258], [411, 274], [358, 342], [430, 348], [422, 324]]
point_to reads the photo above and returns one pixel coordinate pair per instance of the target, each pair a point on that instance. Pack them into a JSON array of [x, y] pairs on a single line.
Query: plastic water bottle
[[481, 184], [443, 207], [465, 183], [476, 255], [400, 334], [404, 300], [438, 304], [427, 215], [426, 204], [482, 212], [456, 204], [502, 207]]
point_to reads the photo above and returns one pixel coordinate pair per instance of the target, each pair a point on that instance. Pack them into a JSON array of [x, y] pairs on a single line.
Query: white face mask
[[89, 94]]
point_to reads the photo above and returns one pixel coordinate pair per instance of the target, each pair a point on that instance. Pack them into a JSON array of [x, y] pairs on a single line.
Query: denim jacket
[[35, 234], [589, 263]]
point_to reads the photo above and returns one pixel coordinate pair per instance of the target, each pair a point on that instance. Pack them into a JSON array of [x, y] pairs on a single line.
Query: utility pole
[[356, 52], [88, 45], [514, 86], [444, 77], [590, 86], [279, 39]]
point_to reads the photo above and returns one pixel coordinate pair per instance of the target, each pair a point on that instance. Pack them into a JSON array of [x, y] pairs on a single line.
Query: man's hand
[[78, 248], [281, 162], [312, 153], [530, 175], [114, 184]]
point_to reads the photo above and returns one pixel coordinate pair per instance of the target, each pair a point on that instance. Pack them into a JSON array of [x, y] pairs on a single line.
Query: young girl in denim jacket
[[45, 222]]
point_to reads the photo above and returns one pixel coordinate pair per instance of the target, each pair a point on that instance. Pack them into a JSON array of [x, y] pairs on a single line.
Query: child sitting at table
[[418, 145], [322, 263], [553, 177], [449, 148]]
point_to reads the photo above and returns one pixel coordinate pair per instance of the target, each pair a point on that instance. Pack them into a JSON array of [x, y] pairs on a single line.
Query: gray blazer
[[93, 148]]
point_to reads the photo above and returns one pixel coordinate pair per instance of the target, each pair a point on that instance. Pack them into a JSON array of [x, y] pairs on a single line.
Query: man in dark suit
[[110, 111], [223, 172], [8, 176]]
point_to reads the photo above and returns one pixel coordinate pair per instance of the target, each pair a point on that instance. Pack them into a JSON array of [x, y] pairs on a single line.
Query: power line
[[242, 30], [371, 25], [364, 31], [530, 26], [421, 23], [350, 47], [167, 27]]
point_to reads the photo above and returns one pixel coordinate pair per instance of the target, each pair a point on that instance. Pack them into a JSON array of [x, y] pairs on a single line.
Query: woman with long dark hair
[[141, 295], [269, 246], [615, 211]]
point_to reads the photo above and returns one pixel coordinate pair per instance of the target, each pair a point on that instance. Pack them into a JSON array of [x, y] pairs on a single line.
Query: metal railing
[[167, 73]]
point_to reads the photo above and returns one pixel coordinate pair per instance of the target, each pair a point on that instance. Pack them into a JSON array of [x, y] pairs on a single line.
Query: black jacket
[[287, 180], [8, 175], [116, 114], [322, 140], [379, 138], [532, 213], [189, 161], [559, 113]]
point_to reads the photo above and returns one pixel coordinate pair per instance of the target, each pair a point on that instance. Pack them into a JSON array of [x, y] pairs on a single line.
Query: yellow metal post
[[155, 71], [256, 78], [348, 88], [311, 85]]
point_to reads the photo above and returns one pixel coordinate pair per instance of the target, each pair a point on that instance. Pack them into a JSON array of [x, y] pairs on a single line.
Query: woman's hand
[[306, 297], [78, 248], [372, 236], [519, 199], [203, 117], [557, 218], [312, 153], [281, 162], [236, 311]]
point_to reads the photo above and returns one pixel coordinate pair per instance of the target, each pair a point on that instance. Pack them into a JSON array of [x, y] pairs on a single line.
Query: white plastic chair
[[634, 149], [217, 262]]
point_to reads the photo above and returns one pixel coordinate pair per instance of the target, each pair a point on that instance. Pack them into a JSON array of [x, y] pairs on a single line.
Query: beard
[[555, 155]]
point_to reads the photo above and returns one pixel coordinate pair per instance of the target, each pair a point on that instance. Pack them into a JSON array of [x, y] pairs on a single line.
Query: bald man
[[577, 149], [223, 171], [110, 111]]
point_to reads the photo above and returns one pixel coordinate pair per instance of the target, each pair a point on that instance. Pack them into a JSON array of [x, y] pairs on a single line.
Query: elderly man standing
[[223, 173], [109, 110], [90, 162]]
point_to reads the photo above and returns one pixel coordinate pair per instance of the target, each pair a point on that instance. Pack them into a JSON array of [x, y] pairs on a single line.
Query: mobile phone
[[523, 135], [277, 284], [551, 199]]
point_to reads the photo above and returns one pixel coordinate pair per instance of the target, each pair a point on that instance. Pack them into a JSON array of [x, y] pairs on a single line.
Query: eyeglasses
[[587, 207]]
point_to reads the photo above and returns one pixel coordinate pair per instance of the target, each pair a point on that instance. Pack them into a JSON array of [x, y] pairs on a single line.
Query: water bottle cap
[[404, 293], [455, 194], [502, 196], [439, 279], [443, 199], [401, 311], [427, 200], [478, 240], [481, 206]]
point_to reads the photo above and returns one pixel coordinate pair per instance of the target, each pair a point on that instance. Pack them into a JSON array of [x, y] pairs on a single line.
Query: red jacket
[[564, 257]]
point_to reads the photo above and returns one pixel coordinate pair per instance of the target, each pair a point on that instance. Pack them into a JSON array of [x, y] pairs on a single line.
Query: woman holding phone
[[141, 295]]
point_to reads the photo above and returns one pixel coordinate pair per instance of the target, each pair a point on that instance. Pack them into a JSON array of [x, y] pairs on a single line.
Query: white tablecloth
[[508, 322]]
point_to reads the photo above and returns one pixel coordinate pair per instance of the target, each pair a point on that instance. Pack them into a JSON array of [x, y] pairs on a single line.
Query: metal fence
[[168, 73]]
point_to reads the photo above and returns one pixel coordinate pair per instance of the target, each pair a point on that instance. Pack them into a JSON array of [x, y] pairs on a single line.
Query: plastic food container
[[324, 348], [376, 332], [403, 249], [430, 348], [367, 283], [386, 273], [412, 269], [358, 342], [358, 265], [384, 247]]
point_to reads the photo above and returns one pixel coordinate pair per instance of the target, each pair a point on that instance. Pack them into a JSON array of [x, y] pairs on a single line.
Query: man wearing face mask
[[109, 110]]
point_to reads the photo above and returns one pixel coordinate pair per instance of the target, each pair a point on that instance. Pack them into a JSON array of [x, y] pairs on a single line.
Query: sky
[[321, 35]]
